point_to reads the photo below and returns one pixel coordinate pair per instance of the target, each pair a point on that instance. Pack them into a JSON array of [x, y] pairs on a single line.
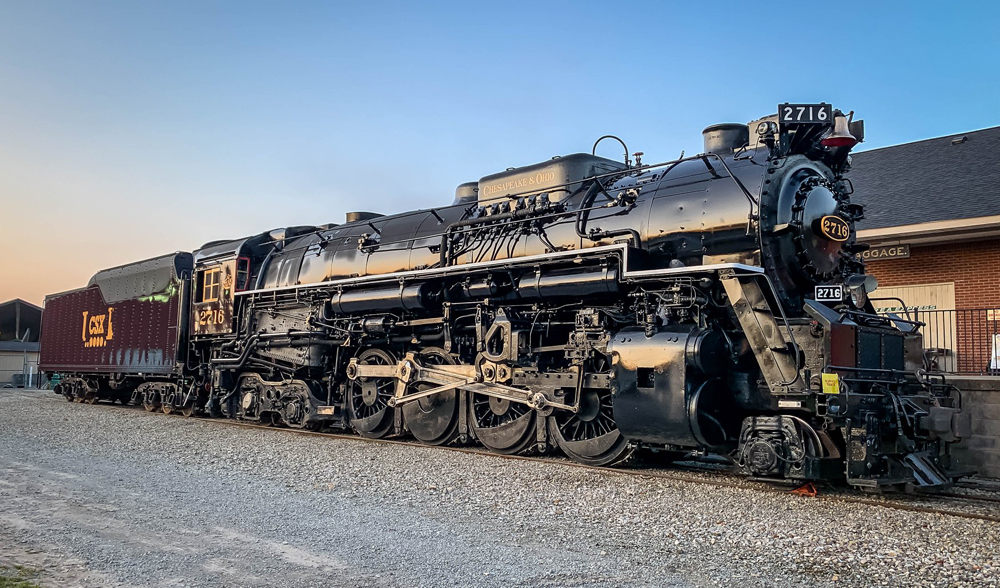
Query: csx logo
[[97, 328]]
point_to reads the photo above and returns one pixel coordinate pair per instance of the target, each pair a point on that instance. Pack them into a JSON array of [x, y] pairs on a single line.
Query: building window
[[211, 281]]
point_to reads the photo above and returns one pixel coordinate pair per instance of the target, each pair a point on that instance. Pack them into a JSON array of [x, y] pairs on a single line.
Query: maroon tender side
[[82, 332], [128, 320]]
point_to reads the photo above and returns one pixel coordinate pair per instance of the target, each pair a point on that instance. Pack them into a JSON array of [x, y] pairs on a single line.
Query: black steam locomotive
[[715, 303]]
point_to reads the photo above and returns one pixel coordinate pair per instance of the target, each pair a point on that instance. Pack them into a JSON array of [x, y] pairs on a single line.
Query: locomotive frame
[[586, 305]]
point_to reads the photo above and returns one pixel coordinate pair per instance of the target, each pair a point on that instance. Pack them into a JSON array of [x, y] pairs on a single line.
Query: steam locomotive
[[715, 303]]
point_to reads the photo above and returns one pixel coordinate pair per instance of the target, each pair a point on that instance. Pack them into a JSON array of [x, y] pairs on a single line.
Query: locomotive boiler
[[715, 303]]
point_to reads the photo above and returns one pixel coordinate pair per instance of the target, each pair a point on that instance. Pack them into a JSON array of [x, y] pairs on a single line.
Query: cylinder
[[568, 282], [725, 138], [400, 297]]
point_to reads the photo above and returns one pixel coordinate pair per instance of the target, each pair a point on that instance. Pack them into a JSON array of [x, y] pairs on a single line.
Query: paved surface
[[99, 496]]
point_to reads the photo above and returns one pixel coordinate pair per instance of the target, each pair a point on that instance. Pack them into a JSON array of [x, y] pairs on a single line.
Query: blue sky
[[129, 129]]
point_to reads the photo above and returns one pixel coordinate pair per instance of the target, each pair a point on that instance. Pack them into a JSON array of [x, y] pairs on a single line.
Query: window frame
[[241, 287], [214, 288]]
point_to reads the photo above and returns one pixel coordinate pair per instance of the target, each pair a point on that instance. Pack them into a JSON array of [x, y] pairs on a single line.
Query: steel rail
[[741, 484]]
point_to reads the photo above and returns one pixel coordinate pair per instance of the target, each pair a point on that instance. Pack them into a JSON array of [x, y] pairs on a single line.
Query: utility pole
[[24, 352]]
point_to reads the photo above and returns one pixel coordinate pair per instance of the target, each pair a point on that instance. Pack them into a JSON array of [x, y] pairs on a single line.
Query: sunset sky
[[131, 129]]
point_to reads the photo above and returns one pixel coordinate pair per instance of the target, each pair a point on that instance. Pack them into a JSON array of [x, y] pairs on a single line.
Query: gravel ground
[[101, 496]]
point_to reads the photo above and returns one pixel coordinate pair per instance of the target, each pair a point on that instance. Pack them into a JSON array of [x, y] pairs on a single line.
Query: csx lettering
[[97, 325], [98, 329]]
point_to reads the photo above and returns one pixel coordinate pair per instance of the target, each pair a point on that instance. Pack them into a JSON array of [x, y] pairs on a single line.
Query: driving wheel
[[368, 402], [433, 419]]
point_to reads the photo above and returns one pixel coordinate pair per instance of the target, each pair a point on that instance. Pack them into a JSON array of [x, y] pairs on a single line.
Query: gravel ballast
[[99, 495]]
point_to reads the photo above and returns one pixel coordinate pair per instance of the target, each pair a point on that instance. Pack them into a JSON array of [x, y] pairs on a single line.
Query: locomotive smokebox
[[725, 138]]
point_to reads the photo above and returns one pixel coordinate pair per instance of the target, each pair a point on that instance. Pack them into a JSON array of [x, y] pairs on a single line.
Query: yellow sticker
[[831, 384]]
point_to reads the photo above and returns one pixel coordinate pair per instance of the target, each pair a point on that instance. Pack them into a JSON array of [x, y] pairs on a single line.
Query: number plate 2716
[[805, 113], [829, 293]]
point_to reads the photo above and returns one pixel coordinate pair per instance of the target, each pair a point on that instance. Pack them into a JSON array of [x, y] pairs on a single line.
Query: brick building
[[933, 220]]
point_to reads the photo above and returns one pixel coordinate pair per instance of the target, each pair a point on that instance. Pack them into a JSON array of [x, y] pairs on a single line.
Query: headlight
[[860, 286], [859, 296]]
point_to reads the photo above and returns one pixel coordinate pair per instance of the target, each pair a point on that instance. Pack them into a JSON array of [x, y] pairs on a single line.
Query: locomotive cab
[[221, 270], [216, 283]]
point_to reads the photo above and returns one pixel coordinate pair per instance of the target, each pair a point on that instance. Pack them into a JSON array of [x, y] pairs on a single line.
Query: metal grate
[[964, 341]]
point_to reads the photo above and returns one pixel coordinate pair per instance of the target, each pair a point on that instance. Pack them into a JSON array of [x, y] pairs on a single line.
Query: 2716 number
[[211, 317], [805, 113], [834, 293]]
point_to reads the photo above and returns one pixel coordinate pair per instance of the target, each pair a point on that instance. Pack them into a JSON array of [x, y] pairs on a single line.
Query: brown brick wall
[[973, 266]]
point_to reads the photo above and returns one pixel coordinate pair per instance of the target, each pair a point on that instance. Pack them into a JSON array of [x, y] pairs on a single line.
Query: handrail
[[672, 164], [899, 300]]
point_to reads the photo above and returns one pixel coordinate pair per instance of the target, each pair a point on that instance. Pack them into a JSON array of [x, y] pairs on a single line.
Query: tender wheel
[[502, 426], [433, 420], [151, 400], [69, 392], [591, 435], [189, 409], [65, 390], [368, 402]]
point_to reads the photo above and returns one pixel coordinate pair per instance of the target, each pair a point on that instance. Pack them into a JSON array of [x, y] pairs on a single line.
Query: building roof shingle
[[944, 178]]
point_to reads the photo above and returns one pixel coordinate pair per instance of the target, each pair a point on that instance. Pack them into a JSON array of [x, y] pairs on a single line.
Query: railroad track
[[711, 477]]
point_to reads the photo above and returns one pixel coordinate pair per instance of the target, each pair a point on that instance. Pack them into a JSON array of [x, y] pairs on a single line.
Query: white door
[[933, 304]]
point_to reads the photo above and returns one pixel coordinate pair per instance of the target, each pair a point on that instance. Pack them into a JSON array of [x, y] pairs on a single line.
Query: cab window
[[242, 273], [211, 282]]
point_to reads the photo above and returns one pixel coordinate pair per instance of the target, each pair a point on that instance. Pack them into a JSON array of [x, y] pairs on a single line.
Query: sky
[[133, 129]]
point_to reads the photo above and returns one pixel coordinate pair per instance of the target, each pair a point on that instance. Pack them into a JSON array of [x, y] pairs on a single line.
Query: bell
[[841, 136]]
